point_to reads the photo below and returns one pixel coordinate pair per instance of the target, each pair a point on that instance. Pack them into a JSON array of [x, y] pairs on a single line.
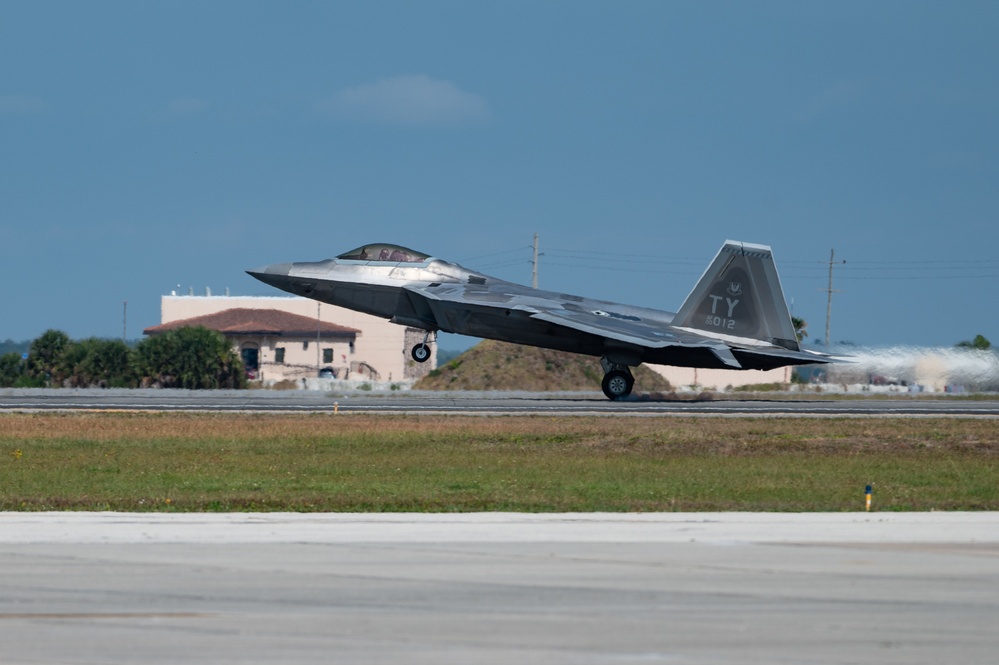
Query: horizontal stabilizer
[[791, 357], [724, 354]]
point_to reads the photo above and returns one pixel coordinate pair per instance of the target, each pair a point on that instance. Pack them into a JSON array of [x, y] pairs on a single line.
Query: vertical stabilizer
[[739, 295]]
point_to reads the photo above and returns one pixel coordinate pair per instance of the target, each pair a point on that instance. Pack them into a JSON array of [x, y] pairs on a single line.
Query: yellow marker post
[[336, 408], [867, 494]]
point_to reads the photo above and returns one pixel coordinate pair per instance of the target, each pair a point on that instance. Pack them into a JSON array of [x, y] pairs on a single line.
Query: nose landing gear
[[421, 352]]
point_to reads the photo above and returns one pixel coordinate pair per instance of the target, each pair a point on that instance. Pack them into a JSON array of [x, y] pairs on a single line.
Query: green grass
[[180, 462]]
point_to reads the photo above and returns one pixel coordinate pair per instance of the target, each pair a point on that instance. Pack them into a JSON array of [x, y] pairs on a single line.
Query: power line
[[488, 256], [620, 256], [911, 277], [503, 264], [993, 261], [896, 268], [593, 266], [912, 273], [644, 263]]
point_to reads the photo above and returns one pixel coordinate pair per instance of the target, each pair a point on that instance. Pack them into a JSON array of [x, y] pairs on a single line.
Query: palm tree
[[980, 343], [46, 357], [193, 358], [800, 326]]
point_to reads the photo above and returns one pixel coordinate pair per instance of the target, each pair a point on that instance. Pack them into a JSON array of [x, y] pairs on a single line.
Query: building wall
[[719, 379], [299, 361], [380, 345]]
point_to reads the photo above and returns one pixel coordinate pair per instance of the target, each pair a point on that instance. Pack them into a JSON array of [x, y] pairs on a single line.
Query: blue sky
[[150, 145]]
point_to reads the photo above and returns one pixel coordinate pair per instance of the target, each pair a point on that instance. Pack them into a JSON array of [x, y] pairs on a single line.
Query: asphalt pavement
[[484, 403]]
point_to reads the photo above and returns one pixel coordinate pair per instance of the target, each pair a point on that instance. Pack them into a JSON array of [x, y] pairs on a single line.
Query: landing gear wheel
[[617, 384], [421, 353]]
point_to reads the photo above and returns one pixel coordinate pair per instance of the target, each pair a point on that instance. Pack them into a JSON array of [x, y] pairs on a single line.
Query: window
[[279, 355], [327, 355], [305, 345], [351, 347], [384, 253]]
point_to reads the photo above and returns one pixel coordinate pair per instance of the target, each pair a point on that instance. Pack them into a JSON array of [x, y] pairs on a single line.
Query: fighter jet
[[735, 317]]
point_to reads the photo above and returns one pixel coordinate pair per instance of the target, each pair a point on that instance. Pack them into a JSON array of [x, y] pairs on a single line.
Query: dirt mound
[[492, 365]]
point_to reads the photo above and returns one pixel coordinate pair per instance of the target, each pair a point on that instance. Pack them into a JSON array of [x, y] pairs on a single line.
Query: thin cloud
[[22, 104], [408, 100], [186, 106]]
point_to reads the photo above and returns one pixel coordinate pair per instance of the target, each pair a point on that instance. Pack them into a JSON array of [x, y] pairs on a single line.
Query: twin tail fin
[[740, 296]]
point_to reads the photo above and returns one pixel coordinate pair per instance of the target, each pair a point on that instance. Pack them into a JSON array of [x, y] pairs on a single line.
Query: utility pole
[[534, 271], [124, 321], [319, 327], [829, 292]]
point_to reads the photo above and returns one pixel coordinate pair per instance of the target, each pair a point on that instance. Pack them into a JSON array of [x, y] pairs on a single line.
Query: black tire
[[617, 384], [421, 353]]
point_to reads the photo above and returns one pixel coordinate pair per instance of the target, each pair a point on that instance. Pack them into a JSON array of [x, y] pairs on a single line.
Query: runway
[[499, 588], [474, 403]]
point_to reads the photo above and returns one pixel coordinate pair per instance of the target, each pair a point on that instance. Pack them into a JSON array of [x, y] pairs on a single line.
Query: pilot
[[364, 254], [384, 255]]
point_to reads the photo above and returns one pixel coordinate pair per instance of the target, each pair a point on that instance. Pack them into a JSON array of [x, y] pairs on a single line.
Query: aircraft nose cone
[[275, 274], [272, 269]]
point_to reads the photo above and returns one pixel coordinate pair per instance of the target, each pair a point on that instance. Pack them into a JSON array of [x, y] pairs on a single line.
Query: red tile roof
[[242, 321]]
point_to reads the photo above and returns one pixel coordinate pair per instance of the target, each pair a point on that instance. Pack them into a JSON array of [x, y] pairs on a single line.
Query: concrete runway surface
[[499, 588]]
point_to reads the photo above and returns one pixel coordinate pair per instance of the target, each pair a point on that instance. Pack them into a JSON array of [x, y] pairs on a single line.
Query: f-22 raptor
[[735, 317]]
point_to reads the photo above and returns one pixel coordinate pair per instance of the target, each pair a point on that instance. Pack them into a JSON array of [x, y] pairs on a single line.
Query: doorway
[[251, 360]]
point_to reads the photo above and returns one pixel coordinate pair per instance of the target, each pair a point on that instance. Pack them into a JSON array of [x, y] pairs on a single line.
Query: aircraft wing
[[638, 333], [630, 330], [654, 335]]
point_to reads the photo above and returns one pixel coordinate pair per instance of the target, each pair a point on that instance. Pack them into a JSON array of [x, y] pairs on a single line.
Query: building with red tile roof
[[245, 321], [296, 339]]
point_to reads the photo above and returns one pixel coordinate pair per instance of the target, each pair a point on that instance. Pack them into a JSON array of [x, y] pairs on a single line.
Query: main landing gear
[[421, 352], [618, 381]]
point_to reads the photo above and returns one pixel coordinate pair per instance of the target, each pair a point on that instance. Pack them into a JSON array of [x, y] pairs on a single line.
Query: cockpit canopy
[[383, 252]]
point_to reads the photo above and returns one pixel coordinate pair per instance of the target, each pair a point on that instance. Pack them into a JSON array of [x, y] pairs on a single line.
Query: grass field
[[185, 462]]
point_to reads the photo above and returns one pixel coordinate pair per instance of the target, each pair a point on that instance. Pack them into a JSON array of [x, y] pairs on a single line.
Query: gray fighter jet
[[735, 318]]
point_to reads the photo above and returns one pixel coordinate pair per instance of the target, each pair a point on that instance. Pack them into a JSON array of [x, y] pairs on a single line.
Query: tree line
[[192, 358]]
